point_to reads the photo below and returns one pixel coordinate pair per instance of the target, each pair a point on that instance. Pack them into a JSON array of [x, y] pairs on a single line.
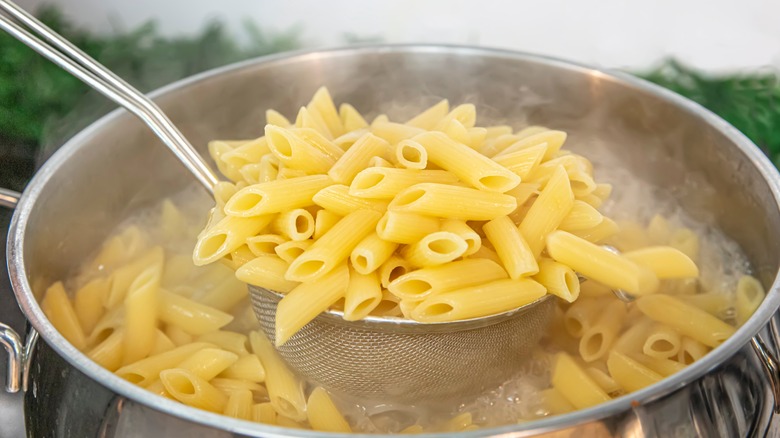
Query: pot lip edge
[[56, 341]]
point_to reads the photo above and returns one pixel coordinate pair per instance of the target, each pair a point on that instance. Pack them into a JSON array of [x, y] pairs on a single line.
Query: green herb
[[749, 101]]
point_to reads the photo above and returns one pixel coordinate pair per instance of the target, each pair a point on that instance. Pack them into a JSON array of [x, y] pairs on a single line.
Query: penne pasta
[[420, 283], [285, 391], [547, 212], [435, 249], [453, 202], [512, 248], [337, 200], [323, 414], [371, 252], [686, 319], [267, 272], [385, 182]]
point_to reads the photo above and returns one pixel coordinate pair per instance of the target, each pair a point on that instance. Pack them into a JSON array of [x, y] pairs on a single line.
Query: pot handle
[[18, 352], [769, 360]]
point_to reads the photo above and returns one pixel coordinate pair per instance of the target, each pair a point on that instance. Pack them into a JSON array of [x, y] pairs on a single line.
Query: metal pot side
[[116, 166]]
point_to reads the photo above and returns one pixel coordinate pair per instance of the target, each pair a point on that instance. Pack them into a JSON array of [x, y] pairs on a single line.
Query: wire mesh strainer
[[399, 360]]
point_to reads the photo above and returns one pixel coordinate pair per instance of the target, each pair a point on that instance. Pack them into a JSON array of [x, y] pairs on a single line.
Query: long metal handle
[[9, 198], [15, 349], [70, 58]]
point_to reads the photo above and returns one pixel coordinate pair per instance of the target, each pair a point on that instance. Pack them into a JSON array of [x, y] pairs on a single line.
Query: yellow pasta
[[691, 350], [192, 390], [285, 391], [351, 118], [398, 227], [264, 244], [481, 300], [429, 118], [356, 158], [750, 294], [267, 272], [555, 403], [121, 279], [108, 353], [550, 208], [630, 374], [264, 413], [247, 368], [394, 133], [664, 367], [581, 217], [296, 224], [524, 161], [559, 279], [276, 196], [333, 247], [664, 261], [141, 306], [576, 386], [511, 247], [145, 371], [686, 319], [289, 251], [385, 183], [227, 235], [420, 283], [553, 139], [393, 268], [322, 104], [88, 303], [465, 232], [371, 252], [456, 202], [239, 405], [58, 308], [662, 342], [603, 331], [294, 152], [324, 221], [363, 294], [237, 343], [466, 163], [273, 117], [323, 414], [411, 155], [337, 200], [435, 249], [307, 300], [189, 315], [599, 264]]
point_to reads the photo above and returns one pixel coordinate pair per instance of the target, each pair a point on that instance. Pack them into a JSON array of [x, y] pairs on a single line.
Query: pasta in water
[[434, 219]]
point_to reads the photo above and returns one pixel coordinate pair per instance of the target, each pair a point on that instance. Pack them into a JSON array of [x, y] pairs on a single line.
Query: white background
[[715, 35]]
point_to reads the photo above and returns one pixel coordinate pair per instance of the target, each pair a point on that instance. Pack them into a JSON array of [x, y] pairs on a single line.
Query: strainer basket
[[398, 360]]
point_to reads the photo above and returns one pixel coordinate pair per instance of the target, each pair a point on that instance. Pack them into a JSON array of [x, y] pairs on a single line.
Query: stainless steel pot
[[116, 166]]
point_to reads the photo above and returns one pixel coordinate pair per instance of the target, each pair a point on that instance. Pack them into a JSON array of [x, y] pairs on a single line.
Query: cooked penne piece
[[190, 316], [264, 244], [333, 247], [322, 104], [146, 371], [453, 202], [58, 308], [664, 261], [662, 342], [523, 161], [630, 374], [226, 236], [336, 199], [715, 303], [267, 272], [604, 380], [597, 339], [393, 268], [351, 118], [264, 413], [296, 224], [285, 391], [555, 403], [121, 279], [750, 294], [411, 155], [691, 350], [307, 300], [108, 353], [600, 264], [371, 253], [435, 249], [576, 386], [364, 293], [356, 158], [385, 183], [559, 279], [289, 251], [246, 368], [88, 303], [276, 196], [553, 139], [323, 414], [548, 211], [685, 318], [480, 300], [421, 283], [467, 164], [465, 232], [581, 217], [188, 388], [324, 221], [430, 117], [141, 314], [664, 367], [239, 405], [399, 227], [512, 248]]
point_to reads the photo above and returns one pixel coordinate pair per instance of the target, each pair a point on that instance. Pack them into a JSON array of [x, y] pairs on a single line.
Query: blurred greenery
[[750, 101], [41, 105]]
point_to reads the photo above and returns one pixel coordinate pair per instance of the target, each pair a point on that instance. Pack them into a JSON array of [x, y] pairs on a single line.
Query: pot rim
[[35, 315]]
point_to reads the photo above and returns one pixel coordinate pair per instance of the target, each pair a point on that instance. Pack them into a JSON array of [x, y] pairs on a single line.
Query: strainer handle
[[18, 352], [70, 58]]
